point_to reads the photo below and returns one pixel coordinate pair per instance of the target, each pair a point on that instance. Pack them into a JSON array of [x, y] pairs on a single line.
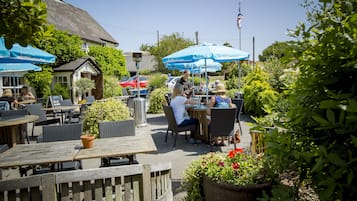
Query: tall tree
[[110, 60], [22, 21], [168, 44]]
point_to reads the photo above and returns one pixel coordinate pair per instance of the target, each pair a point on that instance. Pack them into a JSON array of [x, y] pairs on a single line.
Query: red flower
[[239, 150], [231, 154], [235, 166], [221, 164]]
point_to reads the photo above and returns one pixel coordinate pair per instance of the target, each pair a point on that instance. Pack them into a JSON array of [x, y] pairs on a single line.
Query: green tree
[[41, 81], [168, 44], [279, 50], [66, 47], [23, 21], [84, 85], [321, 141], [111, 87], [110, 60]]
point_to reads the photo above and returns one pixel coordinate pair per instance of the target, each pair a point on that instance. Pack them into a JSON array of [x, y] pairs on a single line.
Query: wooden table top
[[41, 153], [30, 101], [118, 146], [62, 107], [17, 120], [54, 152]]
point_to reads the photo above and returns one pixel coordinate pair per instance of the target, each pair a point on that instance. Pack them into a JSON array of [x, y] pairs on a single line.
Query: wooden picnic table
[[13, 123], [57, 152]]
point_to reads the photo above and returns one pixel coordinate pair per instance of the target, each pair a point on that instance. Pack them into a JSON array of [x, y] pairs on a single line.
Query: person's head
[[24, 90], [220, 89], [7, 93], [186, 74], [177, 90]]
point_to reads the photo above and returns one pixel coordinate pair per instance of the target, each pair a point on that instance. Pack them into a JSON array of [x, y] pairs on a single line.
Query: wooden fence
[[120, 183]]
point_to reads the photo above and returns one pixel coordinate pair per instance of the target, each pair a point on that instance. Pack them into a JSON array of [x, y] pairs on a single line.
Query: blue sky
[[133, 23]]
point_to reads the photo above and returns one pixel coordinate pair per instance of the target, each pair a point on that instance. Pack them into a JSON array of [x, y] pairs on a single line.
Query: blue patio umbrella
[[18, 67], [20, 54], [197, 67], [217, 53]]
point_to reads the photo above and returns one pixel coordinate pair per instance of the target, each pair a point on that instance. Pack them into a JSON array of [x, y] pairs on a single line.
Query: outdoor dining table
[[63, 109], [200, 112], [13, 123], [63, 151]]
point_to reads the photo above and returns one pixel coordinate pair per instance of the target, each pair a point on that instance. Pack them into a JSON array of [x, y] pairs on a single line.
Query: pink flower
[[235, 166], [221, 164]]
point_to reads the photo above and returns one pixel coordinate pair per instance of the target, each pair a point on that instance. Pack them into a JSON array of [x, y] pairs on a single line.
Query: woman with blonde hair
[[7, 96], [177, 103]]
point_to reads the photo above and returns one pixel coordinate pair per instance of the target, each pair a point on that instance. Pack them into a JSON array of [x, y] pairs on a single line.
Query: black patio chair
[[172, 125], [222, 123], [35, 109], [120, 128], [239, 105]]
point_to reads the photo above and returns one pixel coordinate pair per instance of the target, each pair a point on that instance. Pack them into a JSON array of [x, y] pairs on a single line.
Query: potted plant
[[84, 85], [87, 140], [106, 110], [232, 176]]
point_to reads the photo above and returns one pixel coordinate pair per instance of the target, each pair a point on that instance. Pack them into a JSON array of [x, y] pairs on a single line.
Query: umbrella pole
[[206, 82]]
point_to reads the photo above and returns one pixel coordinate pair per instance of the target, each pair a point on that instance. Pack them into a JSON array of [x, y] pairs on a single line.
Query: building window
[[9, 81], [63, 80]]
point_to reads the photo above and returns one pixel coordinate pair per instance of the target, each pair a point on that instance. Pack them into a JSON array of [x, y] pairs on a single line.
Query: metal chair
[[172, 125], [222, 123], [70, 116], [239, 105], [55, 133], [117, 129], [35, 109]]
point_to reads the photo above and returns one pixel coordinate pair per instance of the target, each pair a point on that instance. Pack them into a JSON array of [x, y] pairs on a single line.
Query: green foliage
[[40, 81], [23, 21], [111, 87], [235, 168], [59, 89], [145, 72], [232, 83], [282, 51], [231, 93], [168, 44], [279, 193], [157, 98], [66, 47], [110, 60], [258, 94], [322, 118], [108, 110], [84, 85], [157, 80]]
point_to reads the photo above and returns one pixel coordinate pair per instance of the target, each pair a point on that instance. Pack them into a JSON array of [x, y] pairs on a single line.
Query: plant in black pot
[[233, 176]]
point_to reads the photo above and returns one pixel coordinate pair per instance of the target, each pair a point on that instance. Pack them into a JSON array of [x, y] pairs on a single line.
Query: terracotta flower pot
[[87, 140], [214, 191]]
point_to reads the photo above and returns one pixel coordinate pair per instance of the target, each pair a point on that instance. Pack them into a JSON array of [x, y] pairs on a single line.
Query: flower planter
[[214, 191], [87, 140]]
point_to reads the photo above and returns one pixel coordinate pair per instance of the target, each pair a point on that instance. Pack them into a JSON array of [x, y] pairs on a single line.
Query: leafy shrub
[[111, 87], [232, 83], [157, 97], [258, 94], [231, 93], [59, 89], [157, 80], [108, 110]]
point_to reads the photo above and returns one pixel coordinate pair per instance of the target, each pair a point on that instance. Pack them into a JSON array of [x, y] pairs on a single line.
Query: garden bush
[[108, 110], [157, 80], [111, 87], [157, 98]]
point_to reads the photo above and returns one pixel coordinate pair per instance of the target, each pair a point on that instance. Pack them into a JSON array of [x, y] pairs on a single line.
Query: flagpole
[[239, 25]]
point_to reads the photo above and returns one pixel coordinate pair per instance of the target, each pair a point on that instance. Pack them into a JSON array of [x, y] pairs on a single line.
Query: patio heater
[[139, 103], [239, 25]]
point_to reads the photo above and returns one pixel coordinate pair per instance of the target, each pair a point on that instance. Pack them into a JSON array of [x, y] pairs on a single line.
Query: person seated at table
[[25, 94], [219, 100], [8, 96], [177, 103]]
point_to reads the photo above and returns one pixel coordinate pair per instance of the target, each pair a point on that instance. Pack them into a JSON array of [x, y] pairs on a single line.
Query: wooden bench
[[127, 183]]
